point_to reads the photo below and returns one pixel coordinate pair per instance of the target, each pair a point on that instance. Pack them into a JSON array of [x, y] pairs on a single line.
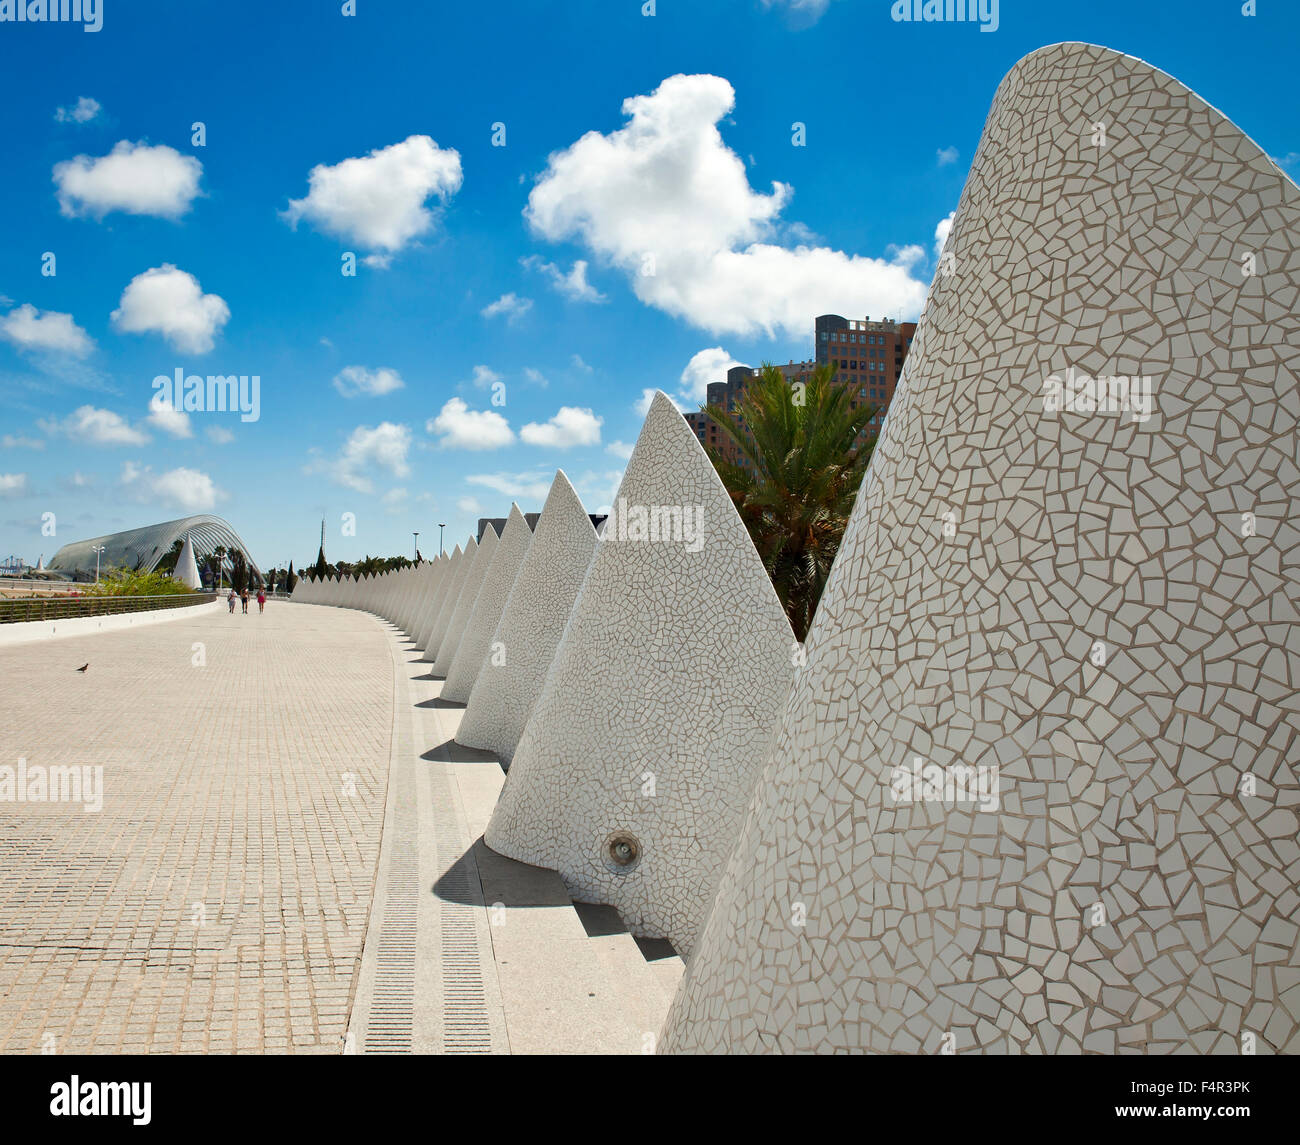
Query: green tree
[[291, 579], [802, 450], [238, 570], [167, 562]]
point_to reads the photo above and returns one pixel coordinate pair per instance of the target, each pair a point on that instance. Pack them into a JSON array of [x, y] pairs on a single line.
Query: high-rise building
[[866, 355]]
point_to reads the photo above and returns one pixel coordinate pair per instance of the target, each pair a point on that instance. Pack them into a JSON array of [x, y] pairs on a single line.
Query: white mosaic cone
[[424, 625], [516, 539], [653, 721], [187, 569], [1101, 607], [531, 624], [448, 607], [465, 601]]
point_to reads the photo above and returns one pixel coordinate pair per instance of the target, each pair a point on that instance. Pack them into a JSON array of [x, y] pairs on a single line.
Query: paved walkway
[[219, 900]]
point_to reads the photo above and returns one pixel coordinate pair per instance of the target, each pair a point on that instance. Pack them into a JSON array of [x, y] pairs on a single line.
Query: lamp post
[[440, 529], [416, 545], [96, 549]]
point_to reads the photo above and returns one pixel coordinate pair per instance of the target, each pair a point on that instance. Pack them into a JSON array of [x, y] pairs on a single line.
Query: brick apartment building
[[866, 355]]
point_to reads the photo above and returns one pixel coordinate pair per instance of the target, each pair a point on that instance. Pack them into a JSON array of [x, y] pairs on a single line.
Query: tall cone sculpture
[[1093, 609], [487, 547], [492, 596], [434, 604], [187, 569], [638, 760], [531, 624], [448, 607], [420, 620]]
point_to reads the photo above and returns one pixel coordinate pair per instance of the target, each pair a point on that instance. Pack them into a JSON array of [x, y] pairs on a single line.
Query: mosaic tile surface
[[531, 624], [1101, 607], [668, 682], [449, 602], [465, 601], [492, 596]]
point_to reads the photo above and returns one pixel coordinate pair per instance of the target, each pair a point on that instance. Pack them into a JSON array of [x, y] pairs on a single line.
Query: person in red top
[[261, 600]]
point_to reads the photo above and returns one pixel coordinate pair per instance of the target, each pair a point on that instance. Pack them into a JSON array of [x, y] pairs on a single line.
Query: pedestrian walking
[[230, 600], [261, 600], [243, 596]]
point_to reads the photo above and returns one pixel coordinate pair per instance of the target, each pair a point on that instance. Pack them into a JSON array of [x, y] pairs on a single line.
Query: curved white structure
[[640, 755], [531, 624], [459, 616], [499, 579], [1096, 606]]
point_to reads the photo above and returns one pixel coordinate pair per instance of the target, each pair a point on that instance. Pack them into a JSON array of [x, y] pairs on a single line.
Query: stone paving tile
[[218, 901]]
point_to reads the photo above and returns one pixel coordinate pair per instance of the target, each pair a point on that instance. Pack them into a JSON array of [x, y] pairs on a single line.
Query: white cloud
[[946, 155], [941, 232], [219, 435], [579, 364], [810, 10], [134, 178], [619, 449], [384, 447], [358, 381], [511, 306], [92, 426], [166, 417], [83, 111], [394, 500], [569, 427], [529, 486], [45, 330], [13, 484], [10, 441], [469, 505], [485, 377], [167, 301], [459, 427], [536, 377], [667, 202], [598, 489], [573, 285], [706, 366], [378, 200], [189, 490]]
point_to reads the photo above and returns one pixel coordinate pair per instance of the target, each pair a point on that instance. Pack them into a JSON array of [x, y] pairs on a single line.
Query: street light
[[416, 545], [440, 529], [96, 549]]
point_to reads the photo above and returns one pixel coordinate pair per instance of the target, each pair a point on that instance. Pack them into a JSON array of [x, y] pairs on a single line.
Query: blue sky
[[523, 265]]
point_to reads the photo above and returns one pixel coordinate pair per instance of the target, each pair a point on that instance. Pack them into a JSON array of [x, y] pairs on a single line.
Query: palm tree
[[802, 450]]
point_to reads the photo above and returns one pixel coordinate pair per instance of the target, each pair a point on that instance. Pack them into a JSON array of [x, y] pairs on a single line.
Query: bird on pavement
[[84, 666]]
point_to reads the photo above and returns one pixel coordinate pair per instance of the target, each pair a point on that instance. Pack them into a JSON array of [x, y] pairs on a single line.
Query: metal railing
[[67, 607]]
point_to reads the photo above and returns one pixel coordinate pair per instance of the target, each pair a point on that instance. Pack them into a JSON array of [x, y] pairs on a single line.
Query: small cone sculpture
[[450, 565], [1036, 789], [492, 596], [487, 547], [448, 608], [639, 757], [531, 624], [187, 569]]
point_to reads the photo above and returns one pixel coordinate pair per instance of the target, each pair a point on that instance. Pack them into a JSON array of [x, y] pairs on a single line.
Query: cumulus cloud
[[384, 447], [579, 364], [529, 486], [536, 377], [13, 484], [11, 441], [133, 178], [219, 435], [83, 111], [484, 377], [168, 301], [511, 306], [667, 202], [469, 505], [357, 381], [621, 449], [92, 426], [706, 366], [45, 330], [378, 200], [573, 285], [189, 490], [941, 232], [946, 155], [569, 427], [167, 418], [459, 427]]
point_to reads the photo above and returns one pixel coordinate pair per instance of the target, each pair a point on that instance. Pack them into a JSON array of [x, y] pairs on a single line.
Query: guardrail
[[65, 607]]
